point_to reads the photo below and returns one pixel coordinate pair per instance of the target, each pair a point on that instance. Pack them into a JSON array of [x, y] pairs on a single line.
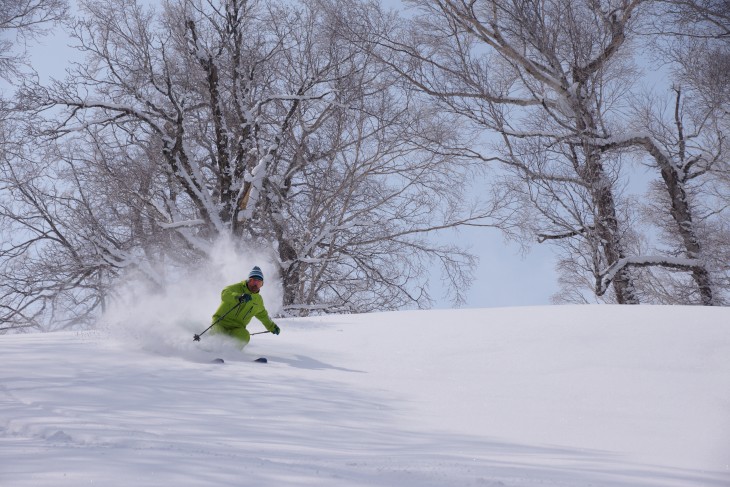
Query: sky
[[555, 396]]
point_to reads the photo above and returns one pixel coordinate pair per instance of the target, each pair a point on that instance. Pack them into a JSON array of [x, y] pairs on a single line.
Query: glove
[[276, 330], [244, 298]]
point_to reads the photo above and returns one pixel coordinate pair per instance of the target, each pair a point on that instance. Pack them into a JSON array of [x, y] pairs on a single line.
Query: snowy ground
[[544, 396]]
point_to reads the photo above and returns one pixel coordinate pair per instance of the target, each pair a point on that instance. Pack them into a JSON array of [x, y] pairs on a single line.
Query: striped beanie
[[256, 272]]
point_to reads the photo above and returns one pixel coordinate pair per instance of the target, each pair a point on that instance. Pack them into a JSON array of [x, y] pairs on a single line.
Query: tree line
[[339, 136]]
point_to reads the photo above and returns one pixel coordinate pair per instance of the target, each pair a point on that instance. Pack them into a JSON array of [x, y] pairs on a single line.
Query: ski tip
[[261, 360], [217, 361]]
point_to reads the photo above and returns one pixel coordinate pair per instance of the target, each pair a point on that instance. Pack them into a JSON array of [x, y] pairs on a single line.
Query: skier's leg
[[242, 335]]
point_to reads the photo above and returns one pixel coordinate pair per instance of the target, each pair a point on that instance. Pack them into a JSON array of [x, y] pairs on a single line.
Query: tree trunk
[[682, 215], [607, 229]]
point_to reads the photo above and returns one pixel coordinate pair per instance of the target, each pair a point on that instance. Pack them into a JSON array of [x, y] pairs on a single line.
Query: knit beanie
[[256, 272]]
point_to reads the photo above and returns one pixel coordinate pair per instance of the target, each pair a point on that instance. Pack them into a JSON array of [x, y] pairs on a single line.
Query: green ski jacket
[[235, 322]]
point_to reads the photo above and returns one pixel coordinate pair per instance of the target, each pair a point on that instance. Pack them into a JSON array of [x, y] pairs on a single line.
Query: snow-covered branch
[[604, 278]]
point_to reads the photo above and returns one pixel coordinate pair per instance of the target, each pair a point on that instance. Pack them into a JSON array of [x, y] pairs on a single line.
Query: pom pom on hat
[[256, 273]]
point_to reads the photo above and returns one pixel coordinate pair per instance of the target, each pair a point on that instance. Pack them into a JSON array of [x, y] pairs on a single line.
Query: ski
[[261, 360]]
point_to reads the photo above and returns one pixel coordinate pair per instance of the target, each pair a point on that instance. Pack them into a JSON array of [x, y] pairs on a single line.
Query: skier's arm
[[264, 318], [231, 293], [229, 298]]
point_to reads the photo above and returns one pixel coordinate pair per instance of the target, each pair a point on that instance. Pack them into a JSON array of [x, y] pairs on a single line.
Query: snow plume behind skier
[[161, 318]]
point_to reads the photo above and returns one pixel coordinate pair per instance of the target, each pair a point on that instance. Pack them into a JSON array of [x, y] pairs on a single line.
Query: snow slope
[[542, 396]]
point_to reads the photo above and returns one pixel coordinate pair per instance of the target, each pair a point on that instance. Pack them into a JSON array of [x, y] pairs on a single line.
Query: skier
[[244, 300]]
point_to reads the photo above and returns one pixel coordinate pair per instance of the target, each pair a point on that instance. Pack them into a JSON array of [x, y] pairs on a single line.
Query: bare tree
[[250, 120], [545, 76], [20, 20], [683, 147], [687, 139], [49, 272], [554, 80], [699, 48], [363, 165], [24, 20]]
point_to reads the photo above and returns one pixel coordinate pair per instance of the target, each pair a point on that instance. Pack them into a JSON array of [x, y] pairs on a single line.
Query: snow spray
[[161, 319]]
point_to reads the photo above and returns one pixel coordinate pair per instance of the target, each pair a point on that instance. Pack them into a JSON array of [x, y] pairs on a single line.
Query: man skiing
[[239, 303]]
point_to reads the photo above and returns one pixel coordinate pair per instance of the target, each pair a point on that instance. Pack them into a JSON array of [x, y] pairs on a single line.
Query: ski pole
[[196, 338], [259, 332]]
